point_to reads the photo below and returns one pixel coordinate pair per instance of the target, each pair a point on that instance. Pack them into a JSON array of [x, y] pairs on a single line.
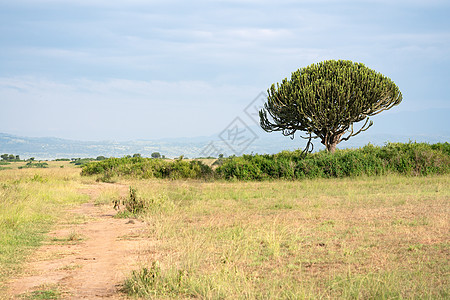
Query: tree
[[137, 155], [156, 155], [324, 100], [4, 156]]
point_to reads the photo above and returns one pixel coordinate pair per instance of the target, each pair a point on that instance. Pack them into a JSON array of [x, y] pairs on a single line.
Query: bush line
[[411, 159]]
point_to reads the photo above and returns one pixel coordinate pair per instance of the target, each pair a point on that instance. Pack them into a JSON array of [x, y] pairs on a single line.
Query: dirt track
[[88, 260]]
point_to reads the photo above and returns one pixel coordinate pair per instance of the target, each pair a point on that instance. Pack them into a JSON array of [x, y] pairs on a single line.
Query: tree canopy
[[324, 100]]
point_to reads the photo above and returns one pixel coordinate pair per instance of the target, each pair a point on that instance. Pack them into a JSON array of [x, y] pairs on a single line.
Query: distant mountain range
[[233, 140]]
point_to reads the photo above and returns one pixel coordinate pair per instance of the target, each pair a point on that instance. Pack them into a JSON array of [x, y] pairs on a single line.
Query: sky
[[135, 69]]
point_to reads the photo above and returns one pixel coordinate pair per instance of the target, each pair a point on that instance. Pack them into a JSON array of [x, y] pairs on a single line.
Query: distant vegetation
[[412, 159], [84, 161], [32, 164], [147, 168], [9, 157]]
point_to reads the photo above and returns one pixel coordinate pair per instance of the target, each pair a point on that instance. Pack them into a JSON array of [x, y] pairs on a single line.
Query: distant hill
[[230, 141]]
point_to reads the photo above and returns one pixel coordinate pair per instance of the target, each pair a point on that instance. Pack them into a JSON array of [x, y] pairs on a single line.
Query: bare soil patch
[[87, 259]]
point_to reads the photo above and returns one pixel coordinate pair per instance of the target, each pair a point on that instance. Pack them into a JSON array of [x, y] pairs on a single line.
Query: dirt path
[[88, 260]]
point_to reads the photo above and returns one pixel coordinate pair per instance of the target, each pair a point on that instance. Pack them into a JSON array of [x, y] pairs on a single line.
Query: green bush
[[37, 165], [411, 159], [148, 168]]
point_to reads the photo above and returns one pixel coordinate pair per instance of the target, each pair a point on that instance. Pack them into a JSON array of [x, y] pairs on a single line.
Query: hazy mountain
[[233, 140]]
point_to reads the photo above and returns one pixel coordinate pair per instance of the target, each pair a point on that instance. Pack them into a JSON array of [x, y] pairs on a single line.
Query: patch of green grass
[[43, 294]]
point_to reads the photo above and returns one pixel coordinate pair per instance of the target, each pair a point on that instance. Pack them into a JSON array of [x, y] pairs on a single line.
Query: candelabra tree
[[326, 99]]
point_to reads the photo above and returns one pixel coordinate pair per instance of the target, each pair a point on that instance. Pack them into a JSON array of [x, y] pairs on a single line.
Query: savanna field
[[249, 228]]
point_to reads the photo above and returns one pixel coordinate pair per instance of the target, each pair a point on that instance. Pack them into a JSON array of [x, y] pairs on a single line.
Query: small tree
[[324, 100], [4, 156], [156, 155], [137, 155]]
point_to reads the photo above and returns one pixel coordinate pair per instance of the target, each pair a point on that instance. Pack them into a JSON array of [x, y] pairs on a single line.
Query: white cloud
[[177, 58], [120, 109]]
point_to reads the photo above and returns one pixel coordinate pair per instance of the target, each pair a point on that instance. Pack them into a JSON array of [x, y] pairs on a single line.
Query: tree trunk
[[331, 147]]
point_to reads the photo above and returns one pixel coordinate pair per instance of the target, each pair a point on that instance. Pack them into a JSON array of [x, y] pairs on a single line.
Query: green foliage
[[81, 161], [411, 159], [31, 164], [9, 157], [156, 155], [148, 168], [324, 100], [133, 204], [44, 294], [407, 159]]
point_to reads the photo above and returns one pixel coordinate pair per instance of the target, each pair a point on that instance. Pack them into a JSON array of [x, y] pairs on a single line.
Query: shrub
[[410, 159], [133, 204], [38, 165], [148, 168]]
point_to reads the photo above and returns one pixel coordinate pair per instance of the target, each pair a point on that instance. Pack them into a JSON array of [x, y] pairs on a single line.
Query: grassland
[[31, 201], [367, 237], [382, 237]]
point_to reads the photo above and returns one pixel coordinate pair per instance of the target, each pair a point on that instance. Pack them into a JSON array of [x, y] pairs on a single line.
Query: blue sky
[[135, 69]]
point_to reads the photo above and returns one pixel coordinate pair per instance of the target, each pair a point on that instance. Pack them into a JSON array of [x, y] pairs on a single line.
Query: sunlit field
[[378, 237], [31, 201]]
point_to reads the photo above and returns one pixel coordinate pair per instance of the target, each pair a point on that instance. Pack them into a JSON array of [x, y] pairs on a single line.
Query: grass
[[50, 164], [45, 293], [72, 238], [382, 237], [365, 237], [31, 201]]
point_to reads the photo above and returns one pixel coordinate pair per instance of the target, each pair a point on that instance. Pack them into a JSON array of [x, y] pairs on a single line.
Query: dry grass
[[31, 200], [380, 237]]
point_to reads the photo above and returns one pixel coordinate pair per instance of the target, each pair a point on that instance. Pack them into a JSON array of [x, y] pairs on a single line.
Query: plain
[[378, 237]]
